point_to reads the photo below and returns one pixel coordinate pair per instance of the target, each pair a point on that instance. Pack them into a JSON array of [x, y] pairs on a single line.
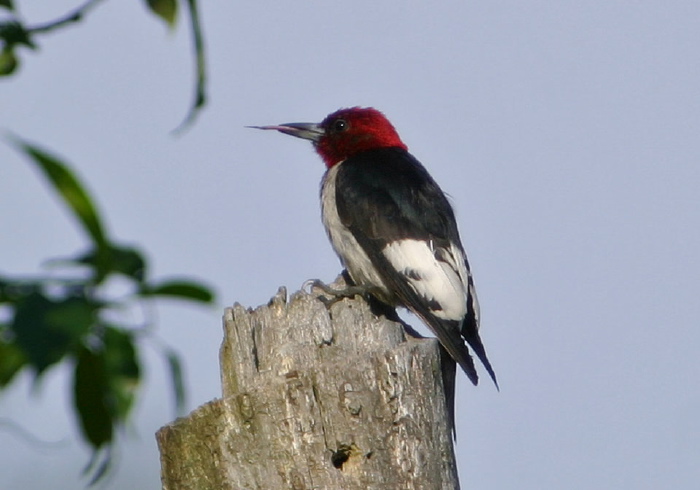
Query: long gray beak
[[307, 131]]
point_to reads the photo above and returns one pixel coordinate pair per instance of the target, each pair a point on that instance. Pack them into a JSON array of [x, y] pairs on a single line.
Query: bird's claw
[[308, 286], [330, 295]]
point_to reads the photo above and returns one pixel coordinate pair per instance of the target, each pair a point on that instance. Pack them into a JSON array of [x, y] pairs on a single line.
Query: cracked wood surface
[[316, 398]]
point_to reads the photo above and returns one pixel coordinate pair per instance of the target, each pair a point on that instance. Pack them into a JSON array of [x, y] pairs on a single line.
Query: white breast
[[353, 257]]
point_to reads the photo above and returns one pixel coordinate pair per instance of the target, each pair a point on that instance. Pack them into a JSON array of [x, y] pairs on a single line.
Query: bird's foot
[[332, 295]]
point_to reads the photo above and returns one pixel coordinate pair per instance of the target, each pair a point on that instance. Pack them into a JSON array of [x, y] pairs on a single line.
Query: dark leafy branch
[[74, 16], [14, 34], [71, 318]]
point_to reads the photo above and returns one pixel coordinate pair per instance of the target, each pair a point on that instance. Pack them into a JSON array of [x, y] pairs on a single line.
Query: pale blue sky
[[565, 132]]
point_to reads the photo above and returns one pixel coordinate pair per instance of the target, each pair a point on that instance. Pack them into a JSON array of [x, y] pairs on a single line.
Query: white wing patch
[[439, 275]]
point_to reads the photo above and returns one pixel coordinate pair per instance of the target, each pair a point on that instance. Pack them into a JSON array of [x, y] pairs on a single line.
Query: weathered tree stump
[[316, 398]]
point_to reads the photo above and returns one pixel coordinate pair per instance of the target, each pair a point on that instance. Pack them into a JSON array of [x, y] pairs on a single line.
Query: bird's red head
[[345, 133], [348, 132]]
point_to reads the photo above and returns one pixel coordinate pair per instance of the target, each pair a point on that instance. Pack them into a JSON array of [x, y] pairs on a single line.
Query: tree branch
[[74, 16]]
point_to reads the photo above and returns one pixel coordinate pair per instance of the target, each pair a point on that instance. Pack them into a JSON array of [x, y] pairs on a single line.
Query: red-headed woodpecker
[[395, 231]]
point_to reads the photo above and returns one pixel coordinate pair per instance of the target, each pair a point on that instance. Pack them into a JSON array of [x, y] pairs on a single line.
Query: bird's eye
[[340, 125]]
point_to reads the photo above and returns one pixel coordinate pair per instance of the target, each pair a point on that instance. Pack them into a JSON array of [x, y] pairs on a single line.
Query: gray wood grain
[[316, 398]]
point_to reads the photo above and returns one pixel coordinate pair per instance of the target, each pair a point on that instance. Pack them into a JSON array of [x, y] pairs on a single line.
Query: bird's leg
[[378, 307], [335, 295]]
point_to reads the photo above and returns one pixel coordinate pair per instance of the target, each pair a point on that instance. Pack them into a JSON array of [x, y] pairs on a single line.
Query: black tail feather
[[448, 368], [477, 346]]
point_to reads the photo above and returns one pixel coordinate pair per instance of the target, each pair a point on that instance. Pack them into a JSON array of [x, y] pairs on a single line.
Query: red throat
[[352, 131]]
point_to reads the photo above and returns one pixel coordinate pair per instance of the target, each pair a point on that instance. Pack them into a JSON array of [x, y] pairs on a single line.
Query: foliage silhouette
[[68, 315]]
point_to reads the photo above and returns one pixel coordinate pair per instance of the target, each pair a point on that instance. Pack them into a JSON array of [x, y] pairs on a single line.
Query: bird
[[395, 232]]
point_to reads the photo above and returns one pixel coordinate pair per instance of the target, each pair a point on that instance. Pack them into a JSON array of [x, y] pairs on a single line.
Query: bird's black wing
[[384, 196]]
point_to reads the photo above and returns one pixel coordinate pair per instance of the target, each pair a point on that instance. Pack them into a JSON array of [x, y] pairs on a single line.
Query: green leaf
[[13, 291], [104, 389], [123, 260], [74, 316], [13, 33], [4, 293], [69, 188], [200, 91], [11, 361], [175, 368], [90, 398], [100, 464], [105, 384], [46, 330], [128, 261], [180, 289], [165, 9], [8, 61], [123, 370], [7, 4]]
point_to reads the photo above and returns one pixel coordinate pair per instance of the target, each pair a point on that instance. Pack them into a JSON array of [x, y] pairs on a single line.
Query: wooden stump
[[316, 398]]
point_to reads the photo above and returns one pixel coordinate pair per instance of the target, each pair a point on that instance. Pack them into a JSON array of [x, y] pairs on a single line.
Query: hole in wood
[[340, 456]]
